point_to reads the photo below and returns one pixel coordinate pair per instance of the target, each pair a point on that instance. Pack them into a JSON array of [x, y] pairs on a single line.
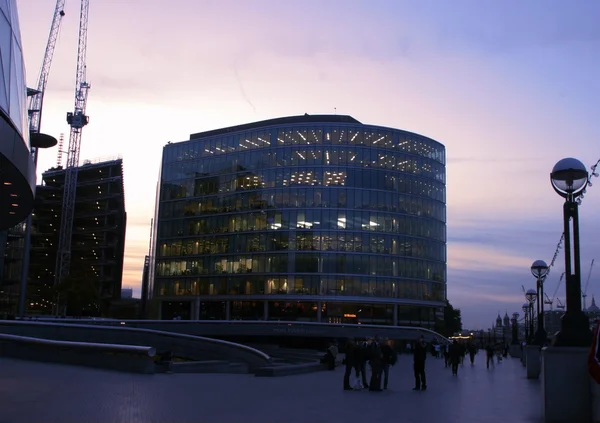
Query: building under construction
[[98, 239]]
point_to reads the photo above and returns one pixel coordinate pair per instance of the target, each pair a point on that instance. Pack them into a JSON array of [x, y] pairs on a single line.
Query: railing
[[113, 348], [89, 323], [124, 323]]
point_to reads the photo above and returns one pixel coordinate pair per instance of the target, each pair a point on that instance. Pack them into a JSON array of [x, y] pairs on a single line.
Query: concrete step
[[209, 366], [238, 368]]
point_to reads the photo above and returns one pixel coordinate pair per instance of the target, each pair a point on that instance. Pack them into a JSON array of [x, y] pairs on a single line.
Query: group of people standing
[[380, 356], [378, 353]]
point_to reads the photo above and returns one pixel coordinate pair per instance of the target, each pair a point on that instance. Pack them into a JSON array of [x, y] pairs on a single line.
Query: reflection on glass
[[322, 212]]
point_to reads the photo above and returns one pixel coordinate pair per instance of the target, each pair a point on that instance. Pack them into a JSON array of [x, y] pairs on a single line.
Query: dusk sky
[[508, 87]]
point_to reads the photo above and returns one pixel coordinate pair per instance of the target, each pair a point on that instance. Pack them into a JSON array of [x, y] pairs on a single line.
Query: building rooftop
[[306, 118]]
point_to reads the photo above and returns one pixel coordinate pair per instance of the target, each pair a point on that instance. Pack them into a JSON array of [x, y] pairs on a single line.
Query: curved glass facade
[[13, 90], [331, 221], [17, 179]]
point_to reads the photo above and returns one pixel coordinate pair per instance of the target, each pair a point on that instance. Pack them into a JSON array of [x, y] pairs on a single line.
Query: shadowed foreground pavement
[[32, 392]]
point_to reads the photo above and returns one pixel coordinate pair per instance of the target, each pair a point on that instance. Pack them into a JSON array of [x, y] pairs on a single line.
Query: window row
[[350, 264], [306, 219], [302, 311], [302, 240], [307, 179], [374, 137], [306, 198], [302, 285], [293, 158]]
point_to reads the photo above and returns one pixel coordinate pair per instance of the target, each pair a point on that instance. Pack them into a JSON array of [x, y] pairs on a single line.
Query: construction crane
[[557, 288], [76, 120], [36, 101], [549, 301], [35, 119], [587, 282]]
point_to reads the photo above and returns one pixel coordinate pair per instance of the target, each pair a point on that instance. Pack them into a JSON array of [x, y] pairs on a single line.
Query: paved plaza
[[32, 392]]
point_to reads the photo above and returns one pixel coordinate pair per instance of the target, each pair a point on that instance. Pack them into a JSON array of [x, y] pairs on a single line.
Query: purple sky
[[509, 87]]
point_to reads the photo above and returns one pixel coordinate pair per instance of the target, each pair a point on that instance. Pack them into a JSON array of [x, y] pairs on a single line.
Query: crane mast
[[77, 120]]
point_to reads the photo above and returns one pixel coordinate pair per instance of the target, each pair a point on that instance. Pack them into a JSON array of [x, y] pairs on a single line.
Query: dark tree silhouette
[[452, 322], [80, 293]]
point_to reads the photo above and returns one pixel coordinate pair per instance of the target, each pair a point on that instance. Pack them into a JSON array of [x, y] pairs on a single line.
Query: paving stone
[[32, 392]]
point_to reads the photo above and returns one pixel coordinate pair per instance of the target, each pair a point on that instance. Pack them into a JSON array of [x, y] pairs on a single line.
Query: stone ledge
[[126, 358]]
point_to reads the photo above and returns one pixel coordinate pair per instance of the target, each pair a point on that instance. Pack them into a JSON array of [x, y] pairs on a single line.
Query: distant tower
[[506, 320], [499, 321], [593, 308]]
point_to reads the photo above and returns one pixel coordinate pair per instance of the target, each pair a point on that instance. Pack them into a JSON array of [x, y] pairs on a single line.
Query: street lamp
[[569, 179], [539, 269], [526, 323], [531, 296]]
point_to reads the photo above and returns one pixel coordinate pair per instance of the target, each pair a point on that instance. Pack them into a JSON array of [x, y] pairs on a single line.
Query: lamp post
[[531, 296], [539, 269], [526, 322], [569, 178]]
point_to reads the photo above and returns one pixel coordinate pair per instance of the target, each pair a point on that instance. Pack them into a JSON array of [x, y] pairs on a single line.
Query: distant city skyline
[[508, 88]]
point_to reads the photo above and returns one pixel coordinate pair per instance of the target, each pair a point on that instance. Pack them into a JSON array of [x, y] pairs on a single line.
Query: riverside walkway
[[32, 392]]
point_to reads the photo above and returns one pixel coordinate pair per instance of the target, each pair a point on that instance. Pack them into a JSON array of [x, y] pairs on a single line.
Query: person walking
[[489, 352], [455, 353], [362, 356], [472, 352], [445, 349], [376, 360], [419, 357], [350, 363], [389, 359]]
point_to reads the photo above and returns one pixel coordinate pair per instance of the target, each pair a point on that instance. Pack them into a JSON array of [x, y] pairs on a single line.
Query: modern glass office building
[[17, 172], [310, 218]]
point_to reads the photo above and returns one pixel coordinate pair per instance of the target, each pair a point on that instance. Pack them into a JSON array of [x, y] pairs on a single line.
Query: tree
[[80, 294], [452, 322]]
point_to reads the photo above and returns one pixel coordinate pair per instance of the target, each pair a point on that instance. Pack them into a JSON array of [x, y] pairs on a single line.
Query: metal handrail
[[132, 349], [112, 322], [120, 323]]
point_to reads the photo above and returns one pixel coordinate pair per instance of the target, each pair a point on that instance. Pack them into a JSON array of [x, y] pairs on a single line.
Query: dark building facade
[[310, 218], [98, 234]]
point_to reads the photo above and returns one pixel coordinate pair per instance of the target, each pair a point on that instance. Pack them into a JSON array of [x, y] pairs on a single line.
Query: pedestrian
[[472, 352], [489, 352], [419, 357], [455, 354], [362, 356], [389, 359], [446, 347], [349, 362], [376, 360]]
